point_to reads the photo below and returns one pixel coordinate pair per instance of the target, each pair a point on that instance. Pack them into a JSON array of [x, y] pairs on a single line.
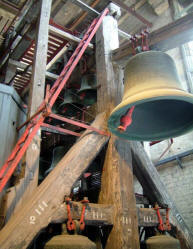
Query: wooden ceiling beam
[[163, 39]]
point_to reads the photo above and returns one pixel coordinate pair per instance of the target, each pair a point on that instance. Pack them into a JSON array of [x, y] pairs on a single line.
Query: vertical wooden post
[[37, 95], [117, 178]]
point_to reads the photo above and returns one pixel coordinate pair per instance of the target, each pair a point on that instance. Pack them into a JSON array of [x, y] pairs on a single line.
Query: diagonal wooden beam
[[155, 189], [37, 212], [163, 39]]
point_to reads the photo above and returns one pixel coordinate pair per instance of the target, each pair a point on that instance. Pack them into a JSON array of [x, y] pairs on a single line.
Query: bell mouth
[[155, 118]]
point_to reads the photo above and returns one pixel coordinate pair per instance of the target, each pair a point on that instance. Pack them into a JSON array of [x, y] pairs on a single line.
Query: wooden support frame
[[37, 93], [165, 38], [102, 215], [117, 178], [37, 212]]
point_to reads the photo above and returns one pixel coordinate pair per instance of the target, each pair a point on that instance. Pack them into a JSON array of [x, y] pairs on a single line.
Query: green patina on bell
[[69, 106], [88, 91], [161, 109]]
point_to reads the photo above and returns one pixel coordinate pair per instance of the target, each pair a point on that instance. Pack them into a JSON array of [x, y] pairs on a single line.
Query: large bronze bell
[[162, 242], [88, 91], [154, 107]]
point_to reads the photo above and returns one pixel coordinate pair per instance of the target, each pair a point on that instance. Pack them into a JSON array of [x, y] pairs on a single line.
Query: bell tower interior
[[96, 117]]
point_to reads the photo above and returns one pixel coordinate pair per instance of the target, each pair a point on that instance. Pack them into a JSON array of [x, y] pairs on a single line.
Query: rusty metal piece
[[70, 223], [84, 202]]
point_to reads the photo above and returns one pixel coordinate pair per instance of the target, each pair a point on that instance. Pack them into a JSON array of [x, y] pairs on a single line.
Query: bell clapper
[[126, 120]]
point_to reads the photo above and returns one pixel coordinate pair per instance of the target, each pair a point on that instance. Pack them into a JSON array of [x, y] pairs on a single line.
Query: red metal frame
[[61, 130], [80, 124], [32, 128]]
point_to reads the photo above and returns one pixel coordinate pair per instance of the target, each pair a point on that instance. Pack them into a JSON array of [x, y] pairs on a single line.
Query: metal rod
[[79, 124], [89, 9], [61, 130], [85, 7]]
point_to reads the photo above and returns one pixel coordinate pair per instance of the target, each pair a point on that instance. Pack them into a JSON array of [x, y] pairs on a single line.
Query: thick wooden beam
[[155, 189], [66, 36], [96, 214], [38, 211], [102, 214], [147, 217], [117, 178], [37, 95], [170, 36]]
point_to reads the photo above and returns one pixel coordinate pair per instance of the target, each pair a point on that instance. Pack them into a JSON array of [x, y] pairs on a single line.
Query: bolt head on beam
[[114, 10]]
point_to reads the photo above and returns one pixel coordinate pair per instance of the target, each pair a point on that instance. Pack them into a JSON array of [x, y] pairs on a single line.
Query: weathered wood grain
[[37, 212], [117, 177]]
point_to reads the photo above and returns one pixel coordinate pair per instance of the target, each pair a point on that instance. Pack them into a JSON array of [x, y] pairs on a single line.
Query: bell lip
[[156, 94]]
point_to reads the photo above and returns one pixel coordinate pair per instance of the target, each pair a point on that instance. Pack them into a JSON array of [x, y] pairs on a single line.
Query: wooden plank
[[117, 177], [163, 39], [155, 189], [22, 65], [147, 217], [30, 181], [96, 214], [102, 214], [37, 212], [66, 35]]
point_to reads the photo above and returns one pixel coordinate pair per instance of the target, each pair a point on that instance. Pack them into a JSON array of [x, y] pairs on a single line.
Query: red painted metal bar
[[64, 131], [73, 122], [60, 83], [32, 128]]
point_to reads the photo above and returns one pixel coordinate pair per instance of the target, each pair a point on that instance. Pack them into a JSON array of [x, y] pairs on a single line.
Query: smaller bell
[[69, 98], [57, 154], [88, 91], [70, 242], [69, 106], [162, 242]]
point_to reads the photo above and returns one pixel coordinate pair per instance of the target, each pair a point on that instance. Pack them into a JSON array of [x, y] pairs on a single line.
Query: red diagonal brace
[[8, 168], [73, 122], [62, 130]]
